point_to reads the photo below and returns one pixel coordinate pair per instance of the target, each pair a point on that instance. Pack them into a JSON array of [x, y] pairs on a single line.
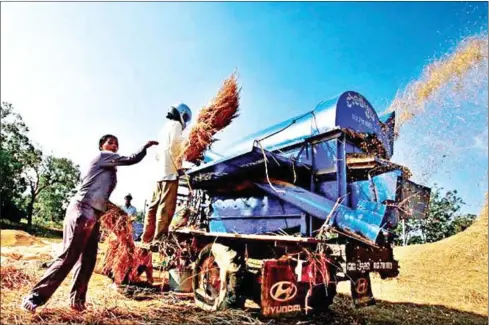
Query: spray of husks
[[470, 56], [439, 114]]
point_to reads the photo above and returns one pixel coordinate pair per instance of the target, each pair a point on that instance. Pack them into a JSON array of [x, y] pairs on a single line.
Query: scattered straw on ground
[[14, 277], [108, 306]]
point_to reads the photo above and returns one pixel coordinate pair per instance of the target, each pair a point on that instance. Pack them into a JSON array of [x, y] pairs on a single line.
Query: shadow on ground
[[341, 313], [38, 231]]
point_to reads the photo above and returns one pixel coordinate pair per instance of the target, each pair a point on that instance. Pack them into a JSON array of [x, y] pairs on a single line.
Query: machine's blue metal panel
[[365, 221], [354, 112], [238, 164], [254, 215], [341, 168], [350, 148], [349, 110], [385, 185], [307, 201], [325, 153], [251, 206], [328, 189], [248, 225]]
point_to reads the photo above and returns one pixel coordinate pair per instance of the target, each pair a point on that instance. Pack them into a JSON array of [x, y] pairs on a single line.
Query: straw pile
[[451, 273], [18, 238], [122, 258], [211, 119], [13, 277]]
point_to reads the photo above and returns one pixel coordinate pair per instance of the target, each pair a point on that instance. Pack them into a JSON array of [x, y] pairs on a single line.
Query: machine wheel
[[322, 297], [217, 278]]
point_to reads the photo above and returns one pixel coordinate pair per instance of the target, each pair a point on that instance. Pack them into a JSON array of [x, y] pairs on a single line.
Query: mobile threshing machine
[[296, 208]]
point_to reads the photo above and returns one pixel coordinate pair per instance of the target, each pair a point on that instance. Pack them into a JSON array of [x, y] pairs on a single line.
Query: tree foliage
[[30, 181], [442, 220], [15, 150], [57, 181]]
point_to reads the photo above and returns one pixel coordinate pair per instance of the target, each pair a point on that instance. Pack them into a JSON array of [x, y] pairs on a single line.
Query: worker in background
[[162, 207], [81, 226], [128, 208], [131, 212]]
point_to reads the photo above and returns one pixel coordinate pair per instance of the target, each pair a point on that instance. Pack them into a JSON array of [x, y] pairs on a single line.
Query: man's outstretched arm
[[112, 160]]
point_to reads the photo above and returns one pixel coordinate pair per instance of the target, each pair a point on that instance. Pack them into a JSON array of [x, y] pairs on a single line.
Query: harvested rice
[[214, 117], [122, 258]]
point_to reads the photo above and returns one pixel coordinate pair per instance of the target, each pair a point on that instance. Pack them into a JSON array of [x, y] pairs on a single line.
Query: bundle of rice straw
[[213, 118], [122, 257]]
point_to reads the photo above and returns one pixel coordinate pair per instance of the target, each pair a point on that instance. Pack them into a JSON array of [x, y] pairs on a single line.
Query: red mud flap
[[281, 295], [361, 290], [361, 260], [287, 287]]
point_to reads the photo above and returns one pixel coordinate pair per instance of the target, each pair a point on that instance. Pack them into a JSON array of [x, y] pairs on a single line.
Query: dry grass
[[108, 306], [214, 117], [122, 257], [18, 238], [14, 277], [451, 273], [39, 250]]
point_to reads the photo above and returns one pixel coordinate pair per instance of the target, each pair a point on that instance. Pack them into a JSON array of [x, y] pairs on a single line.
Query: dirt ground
[[440, 283]]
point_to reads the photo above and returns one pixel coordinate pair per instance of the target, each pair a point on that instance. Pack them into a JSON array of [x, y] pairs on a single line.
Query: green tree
[[442, 220], [57, 185], [15, 150], [443, 210], [54, 177], [462, 222], [26, 173]]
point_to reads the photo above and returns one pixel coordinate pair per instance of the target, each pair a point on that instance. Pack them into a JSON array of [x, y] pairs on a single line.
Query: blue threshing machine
[[294, 209]]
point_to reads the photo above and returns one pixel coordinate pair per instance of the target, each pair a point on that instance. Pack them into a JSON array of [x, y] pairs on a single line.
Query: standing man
[[128, 208], [131, 212], [163, 204], [81, 226]]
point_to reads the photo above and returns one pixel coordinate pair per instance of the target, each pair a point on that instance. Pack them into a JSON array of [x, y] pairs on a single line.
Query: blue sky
[[76, 71]]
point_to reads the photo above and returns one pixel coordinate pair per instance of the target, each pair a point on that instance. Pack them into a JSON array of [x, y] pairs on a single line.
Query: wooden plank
[[362, 161]]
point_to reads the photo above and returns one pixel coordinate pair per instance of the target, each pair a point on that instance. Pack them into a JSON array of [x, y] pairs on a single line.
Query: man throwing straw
[[81, 226]]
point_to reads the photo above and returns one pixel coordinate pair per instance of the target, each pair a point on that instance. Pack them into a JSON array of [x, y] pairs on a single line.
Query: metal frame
[[341, 172]]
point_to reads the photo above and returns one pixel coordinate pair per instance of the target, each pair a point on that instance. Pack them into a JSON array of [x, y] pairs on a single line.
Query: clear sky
[[76, 71]]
